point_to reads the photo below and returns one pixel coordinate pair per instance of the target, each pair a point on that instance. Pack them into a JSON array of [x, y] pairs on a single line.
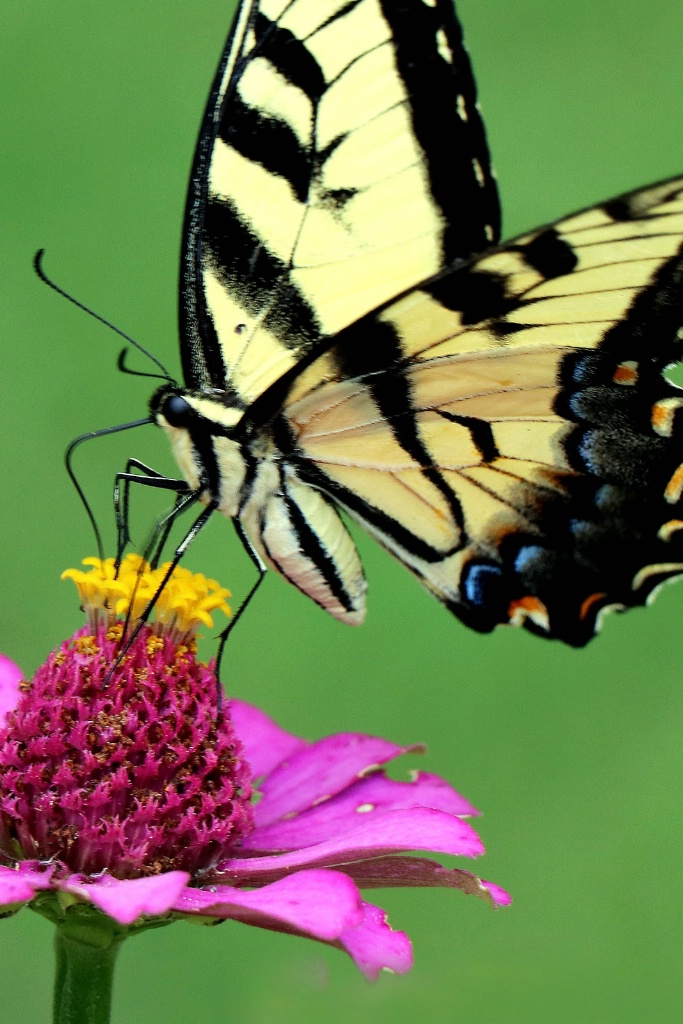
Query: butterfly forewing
[[342, 160], [516, 444]]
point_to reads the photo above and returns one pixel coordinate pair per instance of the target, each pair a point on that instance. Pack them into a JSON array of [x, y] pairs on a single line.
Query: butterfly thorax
[[201, 427]]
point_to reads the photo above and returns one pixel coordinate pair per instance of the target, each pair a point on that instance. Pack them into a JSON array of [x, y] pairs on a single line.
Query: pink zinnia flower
[[134, 797]]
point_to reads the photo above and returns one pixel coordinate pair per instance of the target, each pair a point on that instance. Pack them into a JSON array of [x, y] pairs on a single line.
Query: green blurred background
[[574, 756]]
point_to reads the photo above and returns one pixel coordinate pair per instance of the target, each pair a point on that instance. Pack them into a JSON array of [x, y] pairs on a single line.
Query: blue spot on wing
[[528, 558], [482, 585]]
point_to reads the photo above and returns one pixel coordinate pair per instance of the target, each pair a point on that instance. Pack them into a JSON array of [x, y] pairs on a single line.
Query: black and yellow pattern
[[503, 427], [512, 439], [342, 160]]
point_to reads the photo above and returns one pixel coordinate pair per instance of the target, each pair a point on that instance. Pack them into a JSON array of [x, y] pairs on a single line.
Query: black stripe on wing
[[244, 265], [480, 432], [373, 351], [549, 254], [291, 57], [477, 296], [447, 123], [269, 142], [308, 472]]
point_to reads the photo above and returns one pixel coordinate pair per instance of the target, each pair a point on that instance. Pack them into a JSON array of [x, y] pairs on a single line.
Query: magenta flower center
[[136, 777]]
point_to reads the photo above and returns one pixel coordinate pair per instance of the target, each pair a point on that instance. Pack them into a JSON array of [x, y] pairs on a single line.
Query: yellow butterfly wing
[[505, 429], [341, 160]]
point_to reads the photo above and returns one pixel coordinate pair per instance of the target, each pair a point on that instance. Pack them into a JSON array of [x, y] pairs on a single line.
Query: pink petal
[[418, 872], [320, 904], [320, 771], [19, 885], [265, 743], [499, 896], [364, 799], [10, 677], [126, 900], [374, 946], [420, 828]]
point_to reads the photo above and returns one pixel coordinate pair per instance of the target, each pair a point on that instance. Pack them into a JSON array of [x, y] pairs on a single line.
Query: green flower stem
[[85, 974]]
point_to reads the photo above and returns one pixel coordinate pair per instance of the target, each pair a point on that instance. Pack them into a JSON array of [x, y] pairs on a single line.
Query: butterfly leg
[[157, 541], [261, 569], [201, 521], [147, 477]]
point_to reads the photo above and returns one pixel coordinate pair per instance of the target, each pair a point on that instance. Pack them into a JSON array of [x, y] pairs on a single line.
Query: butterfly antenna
[[121, 365], [38, 267], [74, 480]]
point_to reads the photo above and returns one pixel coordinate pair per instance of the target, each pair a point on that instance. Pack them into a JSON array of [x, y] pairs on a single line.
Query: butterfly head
[[170, 409]]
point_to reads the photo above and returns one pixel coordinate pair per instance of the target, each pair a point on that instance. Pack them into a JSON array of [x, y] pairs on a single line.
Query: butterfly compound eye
[[176, 411]]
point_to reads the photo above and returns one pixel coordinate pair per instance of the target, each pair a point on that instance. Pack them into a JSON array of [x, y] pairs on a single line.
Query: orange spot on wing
[[660, 417], [663, 415], [529, 608], [626, 372], [674, 488], [588, 604]]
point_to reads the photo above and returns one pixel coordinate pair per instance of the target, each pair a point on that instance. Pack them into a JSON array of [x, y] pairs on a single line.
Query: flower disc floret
[[135, 774]]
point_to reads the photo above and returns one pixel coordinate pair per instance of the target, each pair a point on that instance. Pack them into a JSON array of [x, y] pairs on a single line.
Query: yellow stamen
[[187, 600]]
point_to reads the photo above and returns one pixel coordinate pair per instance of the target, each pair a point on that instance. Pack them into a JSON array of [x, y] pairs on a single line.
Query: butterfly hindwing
[[505, 429], [342, 160]]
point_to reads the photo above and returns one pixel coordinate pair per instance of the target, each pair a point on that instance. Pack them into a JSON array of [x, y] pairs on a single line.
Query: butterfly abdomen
[[300, 534]]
